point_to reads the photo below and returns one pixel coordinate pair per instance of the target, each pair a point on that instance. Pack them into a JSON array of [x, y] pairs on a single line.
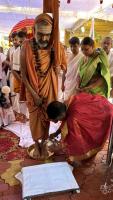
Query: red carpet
[[90, 176], [9, 149]]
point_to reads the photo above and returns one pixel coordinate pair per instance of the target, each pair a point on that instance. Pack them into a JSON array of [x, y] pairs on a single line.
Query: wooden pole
[[52, 6]]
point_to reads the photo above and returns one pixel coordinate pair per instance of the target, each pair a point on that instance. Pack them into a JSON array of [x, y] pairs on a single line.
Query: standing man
[[40, 76], [107, 44], [72, 69], [9, 60], [3, 78], [17, 74], [21, 35]]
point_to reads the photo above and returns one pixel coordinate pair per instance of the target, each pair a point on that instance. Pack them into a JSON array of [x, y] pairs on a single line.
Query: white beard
[[40, 44]]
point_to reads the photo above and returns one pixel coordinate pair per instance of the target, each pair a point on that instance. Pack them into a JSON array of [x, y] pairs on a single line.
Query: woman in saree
[[87, 116], [86, 124], [94, 75]]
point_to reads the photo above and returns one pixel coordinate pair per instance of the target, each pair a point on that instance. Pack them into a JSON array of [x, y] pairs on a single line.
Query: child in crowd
[[6, 112]]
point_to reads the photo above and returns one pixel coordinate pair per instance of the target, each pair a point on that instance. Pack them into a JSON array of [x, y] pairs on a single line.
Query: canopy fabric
[[11, 11], [24, 24]]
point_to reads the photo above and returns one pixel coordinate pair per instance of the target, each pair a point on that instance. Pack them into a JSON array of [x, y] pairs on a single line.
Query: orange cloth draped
[[89, 121], [52, 6], [44, 86]]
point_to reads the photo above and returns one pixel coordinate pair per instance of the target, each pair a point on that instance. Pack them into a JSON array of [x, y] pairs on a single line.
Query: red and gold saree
[[89, 120]]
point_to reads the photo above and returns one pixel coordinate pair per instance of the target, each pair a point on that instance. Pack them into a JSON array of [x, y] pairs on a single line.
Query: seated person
[[86, 124]]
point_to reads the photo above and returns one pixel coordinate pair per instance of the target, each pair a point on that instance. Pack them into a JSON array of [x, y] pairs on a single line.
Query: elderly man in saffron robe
[[40, 76]]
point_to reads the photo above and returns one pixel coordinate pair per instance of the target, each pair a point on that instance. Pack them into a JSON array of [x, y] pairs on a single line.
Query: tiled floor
[[89, 177]]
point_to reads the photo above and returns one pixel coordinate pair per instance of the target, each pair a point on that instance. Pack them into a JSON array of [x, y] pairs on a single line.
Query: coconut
[[5, 89]]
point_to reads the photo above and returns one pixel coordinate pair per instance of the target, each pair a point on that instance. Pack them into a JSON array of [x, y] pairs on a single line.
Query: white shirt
[[110, 59], [3, 57], [71, 81], [0, 68], [16, 59]]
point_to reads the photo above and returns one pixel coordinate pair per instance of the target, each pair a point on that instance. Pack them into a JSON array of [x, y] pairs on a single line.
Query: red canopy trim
[[25, 25]]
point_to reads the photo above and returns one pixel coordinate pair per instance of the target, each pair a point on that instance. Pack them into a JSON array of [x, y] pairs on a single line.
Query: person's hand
[[85, 89], [38, 100], [57, 69], [80, 90], [53, 135]]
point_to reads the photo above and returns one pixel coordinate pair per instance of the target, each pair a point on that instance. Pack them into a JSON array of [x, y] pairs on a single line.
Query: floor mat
[[9, 148]]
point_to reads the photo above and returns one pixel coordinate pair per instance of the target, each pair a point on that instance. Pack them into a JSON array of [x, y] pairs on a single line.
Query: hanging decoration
[[68, 1]]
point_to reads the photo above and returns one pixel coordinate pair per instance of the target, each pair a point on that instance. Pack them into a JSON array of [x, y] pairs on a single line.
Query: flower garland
[[34, 47]]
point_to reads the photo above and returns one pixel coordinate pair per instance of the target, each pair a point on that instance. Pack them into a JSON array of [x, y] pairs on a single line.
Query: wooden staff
[[52, 6]]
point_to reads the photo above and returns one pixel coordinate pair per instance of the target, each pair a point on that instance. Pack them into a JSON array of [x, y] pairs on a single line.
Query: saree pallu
[[89, 121], [88, 69]]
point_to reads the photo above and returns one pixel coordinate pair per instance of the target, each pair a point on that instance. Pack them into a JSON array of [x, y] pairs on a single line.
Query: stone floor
[[90, 176]]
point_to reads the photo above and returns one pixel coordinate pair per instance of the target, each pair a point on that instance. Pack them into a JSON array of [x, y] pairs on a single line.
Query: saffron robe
[[45, 87]]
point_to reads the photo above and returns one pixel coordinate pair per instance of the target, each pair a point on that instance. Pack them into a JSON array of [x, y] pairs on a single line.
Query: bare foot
[[40, 151]]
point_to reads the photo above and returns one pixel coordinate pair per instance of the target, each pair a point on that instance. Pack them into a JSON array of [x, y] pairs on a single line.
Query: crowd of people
[[84, 78]]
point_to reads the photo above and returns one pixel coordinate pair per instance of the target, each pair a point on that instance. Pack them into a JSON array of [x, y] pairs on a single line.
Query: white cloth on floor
[[22, 130]]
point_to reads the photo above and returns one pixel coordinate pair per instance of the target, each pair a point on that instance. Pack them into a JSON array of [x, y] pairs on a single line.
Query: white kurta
[[71, 75], [2, 73], [16, 59], [110, 58]]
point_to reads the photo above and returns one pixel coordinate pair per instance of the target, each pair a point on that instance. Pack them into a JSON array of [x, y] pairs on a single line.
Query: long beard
[[44, 45], [41, 44]]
